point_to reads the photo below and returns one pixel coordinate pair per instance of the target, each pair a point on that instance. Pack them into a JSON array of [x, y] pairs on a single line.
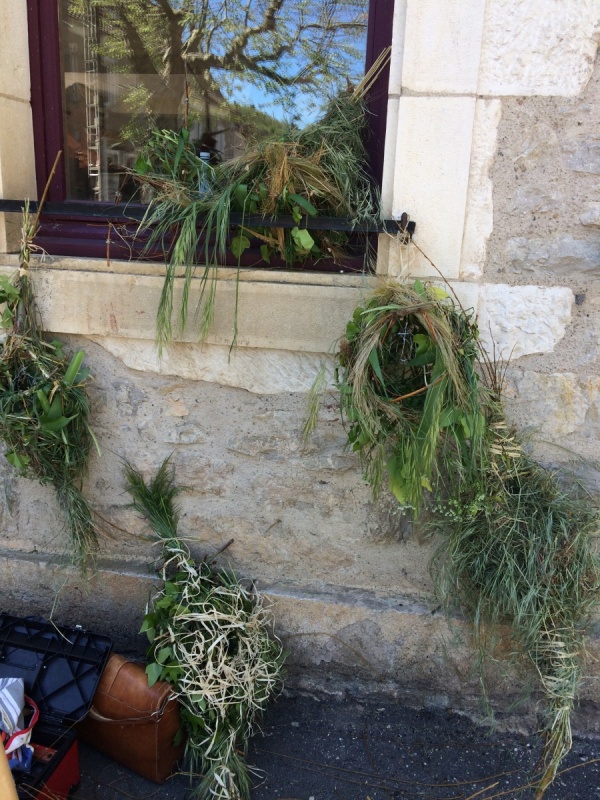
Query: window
[[105, 71]]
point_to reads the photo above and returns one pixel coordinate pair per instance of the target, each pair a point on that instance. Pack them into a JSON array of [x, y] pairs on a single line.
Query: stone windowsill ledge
[[301, 312], [157, 269], [305, 313]]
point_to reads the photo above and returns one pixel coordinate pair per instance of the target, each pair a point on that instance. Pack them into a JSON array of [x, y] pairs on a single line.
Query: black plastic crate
[[61, 668]]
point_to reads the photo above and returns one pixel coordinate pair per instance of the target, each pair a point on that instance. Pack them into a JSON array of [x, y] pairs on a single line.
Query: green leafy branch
[[44, 406]]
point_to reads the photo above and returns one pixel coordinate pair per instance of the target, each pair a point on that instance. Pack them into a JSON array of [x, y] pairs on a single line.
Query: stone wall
[[546, 177], [493, 148]]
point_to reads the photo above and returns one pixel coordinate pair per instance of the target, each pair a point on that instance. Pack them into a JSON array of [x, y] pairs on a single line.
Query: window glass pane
[[249, 67]]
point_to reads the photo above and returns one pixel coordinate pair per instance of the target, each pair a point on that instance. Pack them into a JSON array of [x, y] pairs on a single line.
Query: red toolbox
[[61, 668]]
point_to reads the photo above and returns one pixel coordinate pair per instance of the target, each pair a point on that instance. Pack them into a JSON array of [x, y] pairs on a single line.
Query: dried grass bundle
[[318, 171], [209, 637]]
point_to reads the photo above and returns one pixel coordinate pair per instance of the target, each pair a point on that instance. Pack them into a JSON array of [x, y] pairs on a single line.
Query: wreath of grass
[[423, 405], [209, 638], [409, 390]]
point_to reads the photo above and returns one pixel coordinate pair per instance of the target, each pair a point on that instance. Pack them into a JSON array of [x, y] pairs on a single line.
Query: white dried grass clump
[[211, 638]]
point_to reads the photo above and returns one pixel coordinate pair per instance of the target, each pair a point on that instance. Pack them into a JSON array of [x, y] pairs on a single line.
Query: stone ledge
[[273, 315], [294, 317], [157, 269], [338, 641]]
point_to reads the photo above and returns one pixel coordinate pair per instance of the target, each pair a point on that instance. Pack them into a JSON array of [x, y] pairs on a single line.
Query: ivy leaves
[[252, 200], [238, 244], [303, 240]]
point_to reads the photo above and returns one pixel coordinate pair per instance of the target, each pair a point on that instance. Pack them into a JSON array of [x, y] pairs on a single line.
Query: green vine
[[423, 406]]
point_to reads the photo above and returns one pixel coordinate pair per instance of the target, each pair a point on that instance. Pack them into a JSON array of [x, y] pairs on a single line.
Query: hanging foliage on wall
[[410, 391], [422, 403], [317, 171], [44, 405]]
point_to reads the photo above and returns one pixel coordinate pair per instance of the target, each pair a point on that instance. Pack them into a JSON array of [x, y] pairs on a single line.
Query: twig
[[222, 549], [418, 391], [45, 193], [108, 245]]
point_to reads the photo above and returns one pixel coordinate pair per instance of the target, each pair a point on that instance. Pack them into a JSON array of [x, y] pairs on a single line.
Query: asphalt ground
[[351, 750]]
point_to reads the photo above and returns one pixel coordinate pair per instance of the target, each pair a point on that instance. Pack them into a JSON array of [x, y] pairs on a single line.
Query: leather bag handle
[[153, 717]]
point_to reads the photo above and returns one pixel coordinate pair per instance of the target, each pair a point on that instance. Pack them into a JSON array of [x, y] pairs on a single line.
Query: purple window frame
[[80, 235]]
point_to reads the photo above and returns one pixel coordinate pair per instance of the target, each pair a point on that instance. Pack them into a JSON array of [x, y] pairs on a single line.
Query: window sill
[[295, 311]]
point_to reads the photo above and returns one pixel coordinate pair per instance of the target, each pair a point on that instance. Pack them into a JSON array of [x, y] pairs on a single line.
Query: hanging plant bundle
[[44, 405], [319, 171], [517, 550], [409, 390], [516, 538], [209, 638]]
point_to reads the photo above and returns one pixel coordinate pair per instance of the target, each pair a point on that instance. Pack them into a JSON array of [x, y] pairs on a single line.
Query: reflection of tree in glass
[[270, 48]]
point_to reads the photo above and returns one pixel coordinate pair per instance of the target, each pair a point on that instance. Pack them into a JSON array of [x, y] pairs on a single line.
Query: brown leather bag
[[133, 723]]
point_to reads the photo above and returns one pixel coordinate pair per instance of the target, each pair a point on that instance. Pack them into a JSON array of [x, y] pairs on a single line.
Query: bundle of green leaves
[[423, 405], [209, 638], [44, 406], [318, 171], [410, 392]]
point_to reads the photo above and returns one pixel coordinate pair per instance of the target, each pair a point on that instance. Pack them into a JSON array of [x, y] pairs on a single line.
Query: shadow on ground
[[331, 750]]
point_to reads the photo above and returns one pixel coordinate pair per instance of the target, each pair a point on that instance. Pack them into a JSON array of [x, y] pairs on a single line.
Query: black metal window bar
[[134, 213]]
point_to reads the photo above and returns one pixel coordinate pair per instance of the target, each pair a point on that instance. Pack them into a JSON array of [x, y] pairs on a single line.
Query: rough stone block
[[583, 154], [591, 215], [14, 54], [520, 320], [562, 255], [433, 155], [479, 220], [535, 142], [557, 400], [534, 199], [538, 47], [389, 161], [10, 233], [259, 371], [17, 162], [397, 55]]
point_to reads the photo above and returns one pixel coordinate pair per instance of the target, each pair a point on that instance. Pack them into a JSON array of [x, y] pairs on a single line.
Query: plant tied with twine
[[44, 406], [422, 402], [209, 638]]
